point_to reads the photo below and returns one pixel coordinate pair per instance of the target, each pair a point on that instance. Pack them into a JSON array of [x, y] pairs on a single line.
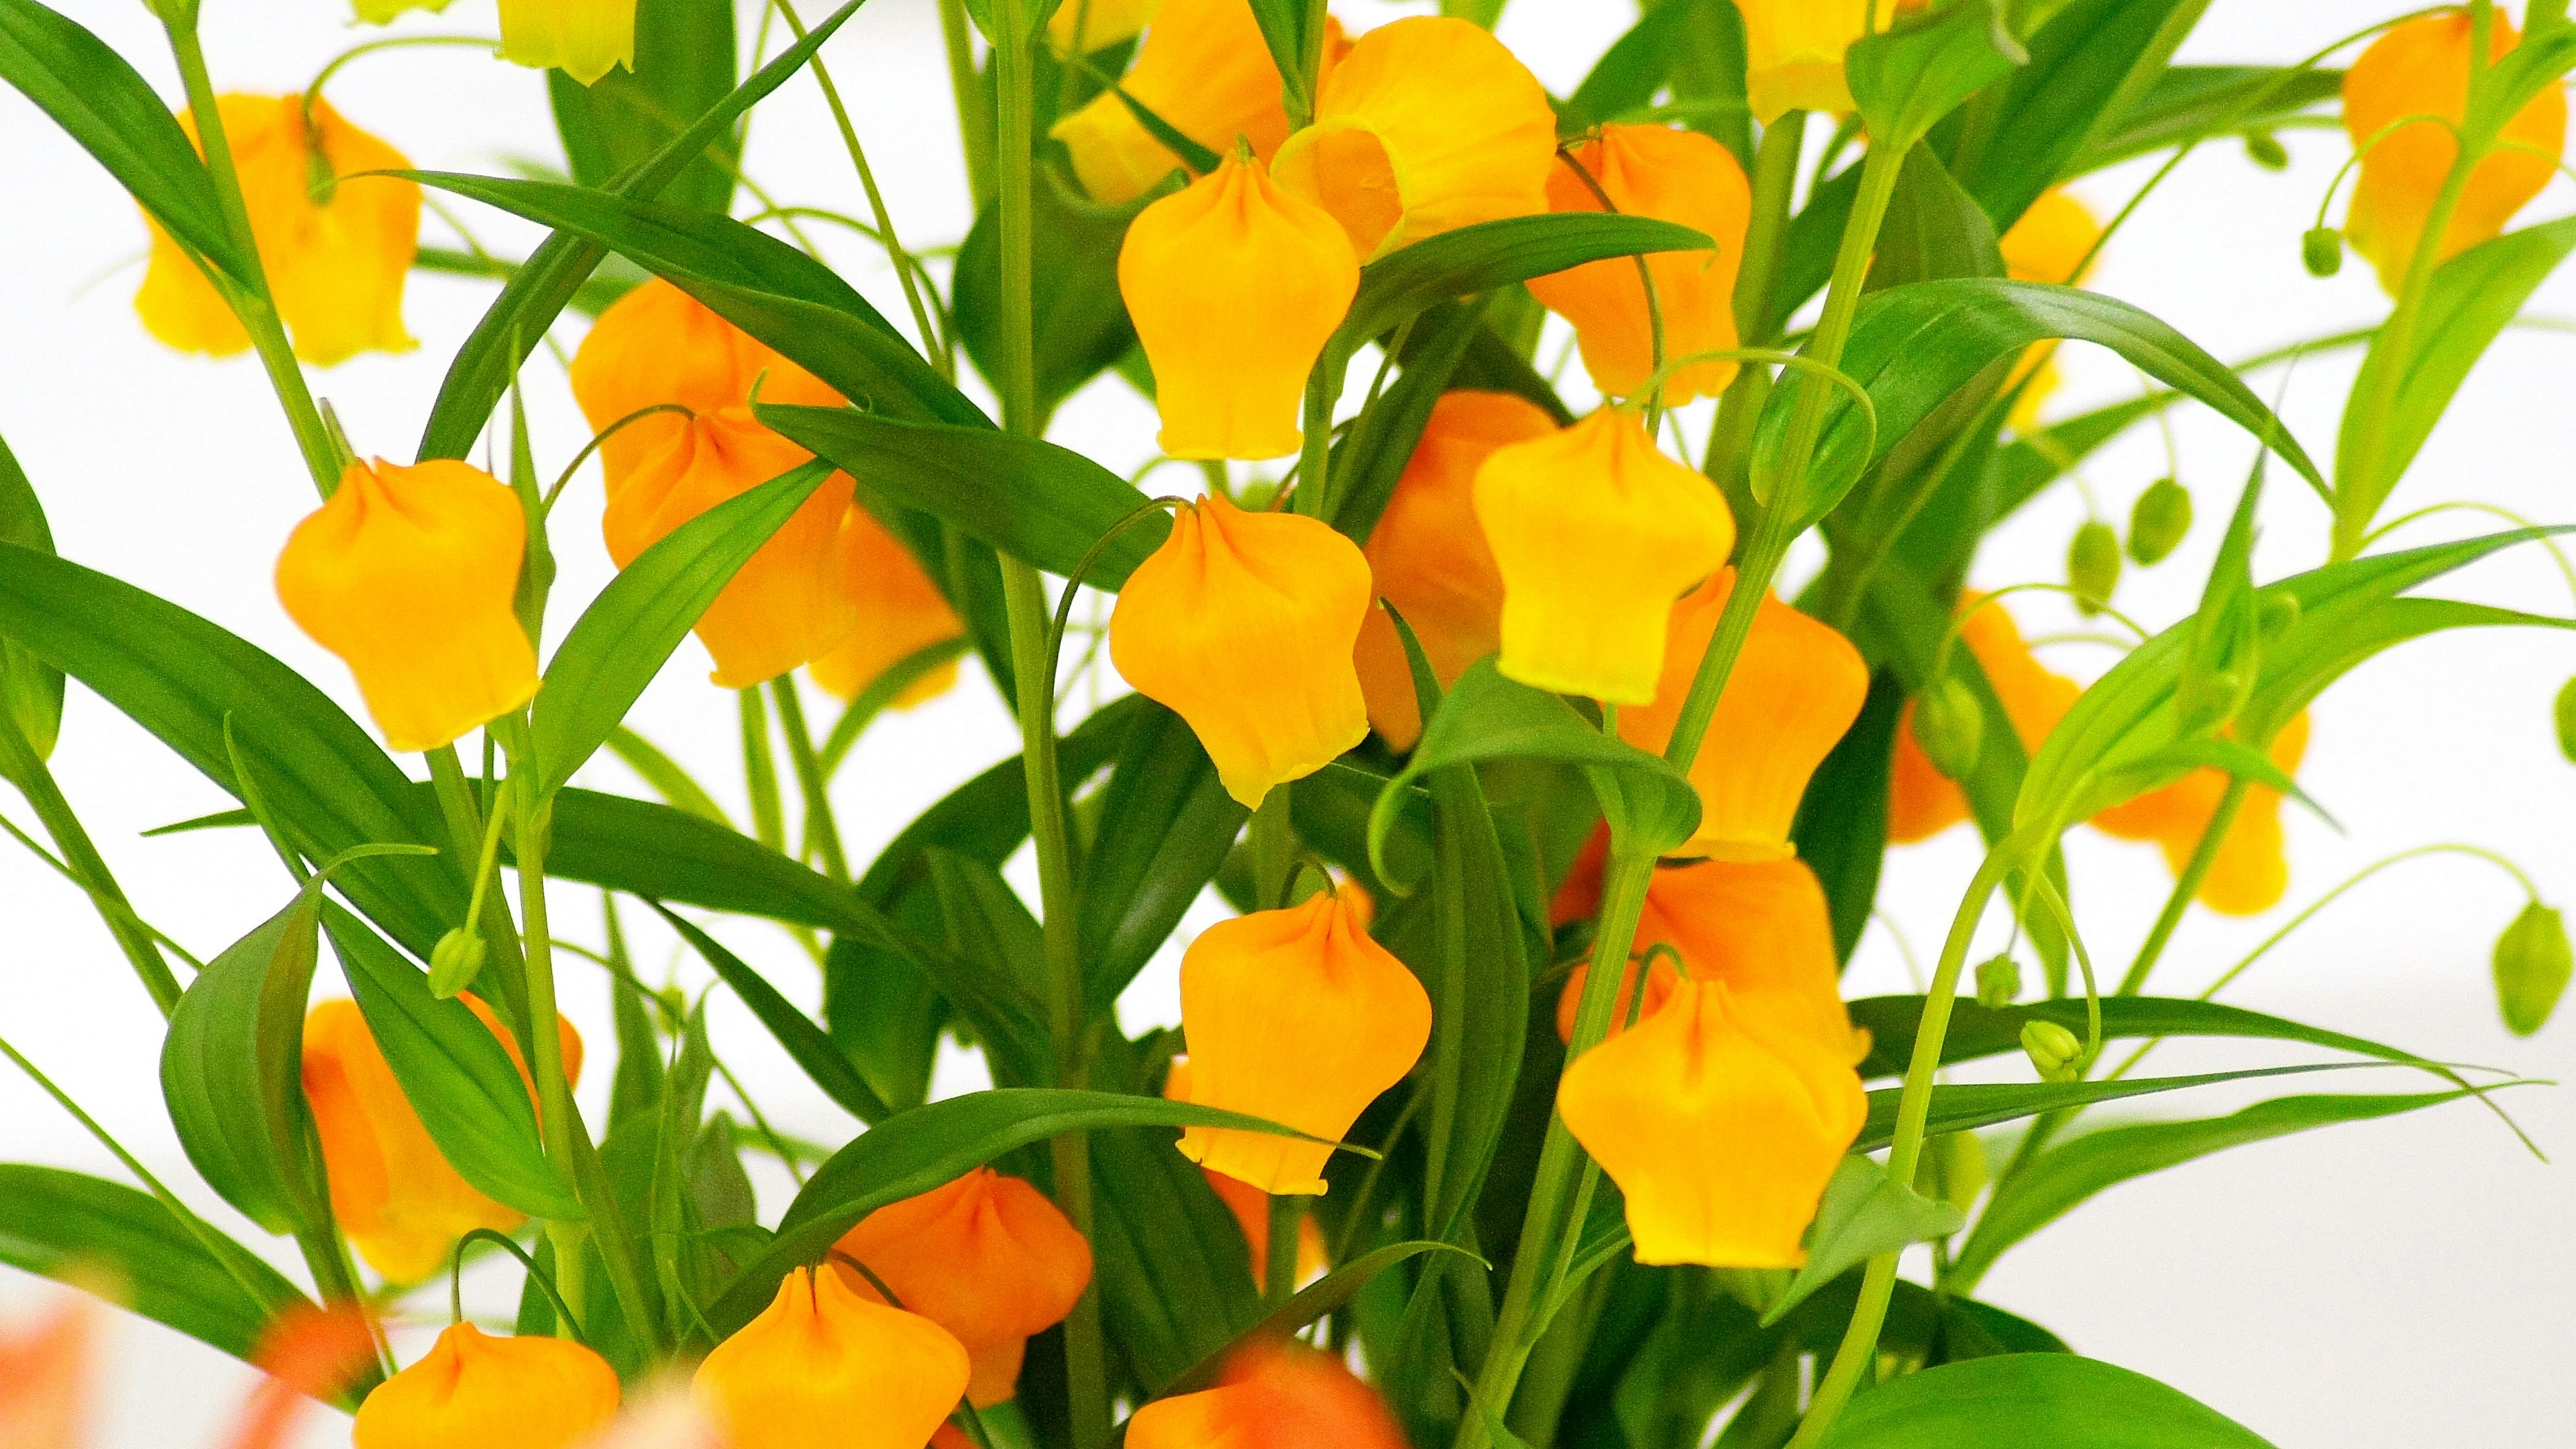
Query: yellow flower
[[1720, 1121], [2421, 68], [1796, 688], [585, 39], [2252, 869], [1243, 624], [1921, 801], [335, 262], [1429, 124], [1595, 531], [823, 1368], [2049, 244], [492, 1393], [986, 1257], [395, 1196], [1676, 176], [1273, 1395], [1793, 52], [1250, 1205], [900, 613], [1205, 71], [408, 574], [1099, 24], [1235, 285], [658, 345], [1295, 1015], [1429, 559]]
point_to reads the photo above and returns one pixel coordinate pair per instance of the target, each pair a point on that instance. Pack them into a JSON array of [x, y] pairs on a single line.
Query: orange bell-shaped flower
[[2051, 243], [1921, 801], [1427, 125], [492, 1393], [45, 1373], [2251, 871], [585, 39], [1675, 176], [986, 1257], [1429, 559], [395, 1196], [1234, 285], [1721, 1121], [1758, 926], [1205, 71], [657, 345], [1243, 624], [1793, 52], [901, 612], [336, 252], [2417, 70], [409, 575], [1272, 1396], [1595, 532], [1296, 1015], [1250, 1205], [824, 1368], [1796, 688]]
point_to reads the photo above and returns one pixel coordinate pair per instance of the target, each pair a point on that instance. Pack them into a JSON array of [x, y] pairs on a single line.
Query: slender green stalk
[[760, 773], [2186, 885], [20, 765], [1273, 842], [1287, 1223], [820, 829], [1775, 180], [974, 122]]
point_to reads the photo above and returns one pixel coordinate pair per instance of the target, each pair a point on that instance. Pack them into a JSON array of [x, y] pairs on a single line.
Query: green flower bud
[[1950, 727], [2567, 721], [2052, 1049], [2159, 521], [1998, 982], [2322, 249], [2265, 150], [2093, 565], [455, 963], [2275, 615], [2532, 964], [1952, 1169]]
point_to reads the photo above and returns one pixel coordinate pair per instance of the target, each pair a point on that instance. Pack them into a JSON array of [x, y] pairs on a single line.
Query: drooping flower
[[1243, 624], [1250, 1205], [1273, 1396], [1793, 52], [658, 346], [986, 1257], [1427, 125], [394, 1194], [1429, 558], [2050, 243], [1921, 801], [409, 575], [2252, 868], [1676, 176], [336, 251], [45, 1373], [824, 1368], [526, 1392], [1595, 531], [2421, 69], [901, 612], [585, 39], [307, 1353], [1295, 1015], [1205, 71], [1720, 1121], [1234, 284], [1797, 686], [1098, 24]]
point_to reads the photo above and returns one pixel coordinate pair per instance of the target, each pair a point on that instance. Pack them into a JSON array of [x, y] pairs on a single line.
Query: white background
[[2403, 1283]]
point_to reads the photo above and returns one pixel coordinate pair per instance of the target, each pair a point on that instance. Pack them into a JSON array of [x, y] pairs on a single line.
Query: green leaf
[[683, 66], [1023, 496], [808, 1045], [2473, 297], [2189, 102], [1636, 65], [68, 1226], [1933, 229], [515, 325], [675, 785], [1284, 29], [1077, 318], [621, 641], [1912, 74], [232, 1072], [31, 691], [455, 1073], [1841, 826], [1477, 971], [1980, 1031], [2089, 66], [1369, 457], [2034, 1399], [1174, 1271], [1165, 826], [1958, 1108], [1864, 1213], [113, 113], [2051, 1186], [1325, 1295]]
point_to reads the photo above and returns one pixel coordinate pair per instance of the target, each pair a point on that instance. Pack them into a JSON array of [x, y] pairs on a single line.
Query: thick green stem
[[820, 828], [21, 766]]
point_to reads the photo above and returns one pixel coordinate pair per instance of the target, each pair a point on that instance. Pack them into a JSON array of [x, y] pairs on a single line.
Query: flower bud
[[456, 961], [1295, 1015], [1921, 800], [1998, 982], [2053, 1050], [1244, 625], [2158, 521], [1595, 531], [2093, 565], [2265, 150], [1950, 726], [1234, 284], [2321, 251], [2532, 964], [409, 575], [823, 1368], [2564, 714], [493, 1393], [986, 1257], [2275, 614]]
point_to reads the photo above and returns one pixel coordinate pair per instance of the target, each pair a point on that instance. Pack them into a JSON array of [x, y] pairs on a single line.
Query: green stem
[[1279, 1273], [21, 766], [1273, 843], [1775, 180], [974, 122], [820, 828], [760, 773], [2186, 885]]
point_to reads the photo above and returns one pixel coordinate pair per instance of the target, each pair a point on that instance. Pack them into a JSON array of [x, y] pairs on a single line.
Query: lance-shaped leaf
[[1977, 1031], [31, 691], [1864, 1213], [683, 67], [232, 1071], [1962, 1108], [808, 1045], [2189, 103], [2034, 1399], [2089, 66], [1918, 70], [1165, 827]]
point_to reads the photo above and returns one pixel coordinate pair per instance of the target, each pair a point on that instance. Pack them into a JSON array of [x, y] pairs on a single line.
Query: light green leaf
[[232, 1072], [1911, 75], [2190, 102], [1078, 319], [1977, 1031], [1864, 1213], [2089, 66], [1962, 1108], [2032, 1399]]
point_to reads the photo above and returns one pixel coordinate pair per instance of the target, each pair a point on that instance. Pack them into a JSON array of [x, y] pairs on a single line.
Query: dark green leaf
[[1841, 829], [69, 1226], [2034, 1399], [1284, 26], [1325, 1295], [812, 1049], [1978, 1031], [1165, 826], [31, 691], [1477, 971], [1174, 1271], [1636, 65], [1864, 1213], [232, 1072], [1077, 319], [1912, 74], [683, 66], [1368, 459], [2089, 66]]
